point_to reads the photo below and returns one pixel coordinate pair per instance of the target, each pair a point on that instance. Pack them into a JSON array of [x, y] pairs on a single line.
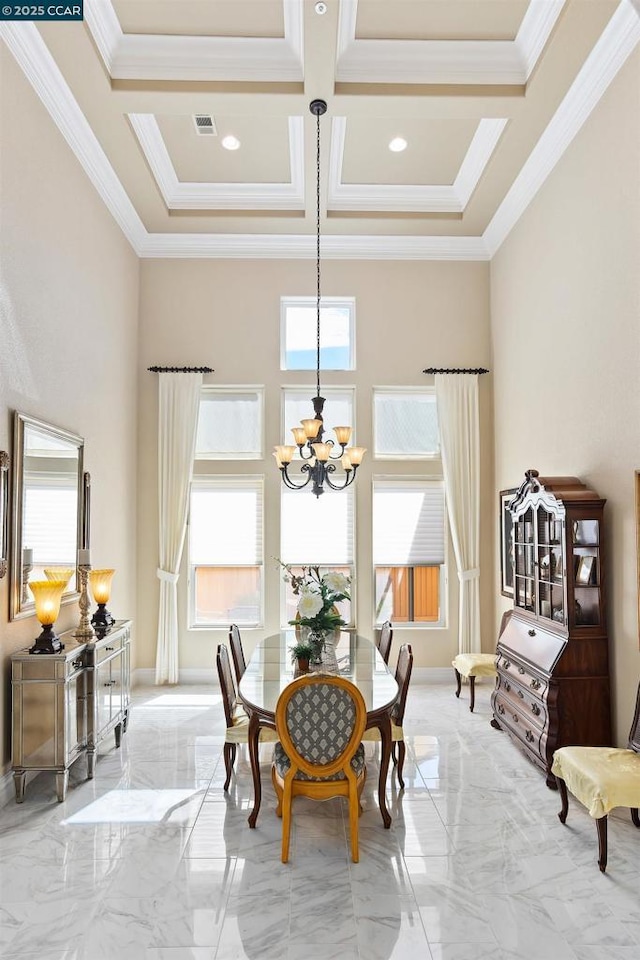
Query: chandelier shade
[[319, 456]]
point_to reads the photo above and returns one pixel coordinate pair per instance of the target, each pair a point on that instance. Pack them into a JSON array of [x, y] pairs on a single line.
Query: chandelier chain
[[318, 253]]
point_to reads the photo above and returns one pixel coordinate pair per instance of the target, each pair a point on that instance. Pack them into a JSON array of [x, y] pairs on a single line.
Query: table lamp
[[47, 595], [100, 581]]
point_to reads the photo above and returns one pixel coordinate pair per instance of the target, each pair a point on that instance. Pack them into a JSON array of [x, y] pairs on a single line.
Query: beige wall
[[227, 315], [68, 337], [565, 305]]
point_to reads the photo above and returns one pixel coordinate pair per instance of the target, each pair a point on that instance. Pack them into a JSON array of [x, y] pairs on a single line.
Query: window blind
[[229, 424], [408, 522], [405, 424], [225, 522], [317, 531]]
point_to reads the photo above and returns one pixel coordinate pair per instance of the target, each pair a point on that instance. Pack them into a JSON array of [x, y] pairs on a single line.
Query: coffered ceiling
[[487, 94]]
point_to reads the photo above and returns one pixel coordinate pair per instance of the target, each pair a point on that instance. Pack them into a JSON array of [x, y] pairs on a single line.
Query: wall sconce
[[100, 581], [47, 595]]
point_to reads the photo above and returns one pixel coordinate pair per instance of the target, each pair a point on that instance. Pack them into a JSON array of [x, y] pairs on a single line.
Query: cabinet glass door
[[585, 543], [550, 571], [524, 583]]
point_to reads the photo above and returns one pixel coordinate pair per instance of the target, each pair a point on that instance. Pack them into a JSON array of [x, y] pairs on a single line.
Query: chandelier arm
[[349, 478], [288, 482]]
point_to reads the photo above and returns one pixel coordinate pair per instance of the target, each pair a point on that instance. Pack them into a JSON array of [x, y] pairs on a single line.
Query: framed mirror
[[4, 511], [50, 507]]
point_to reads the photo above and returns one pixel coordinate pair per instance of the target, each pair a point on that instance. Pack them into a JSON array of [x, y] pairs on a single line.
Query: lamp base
[[47, 642], [102, 620]]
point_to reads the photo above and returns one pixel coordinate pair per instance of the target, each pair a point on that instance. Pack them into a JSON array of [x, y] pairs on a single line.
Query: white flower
[[336, 582], [310, 604]]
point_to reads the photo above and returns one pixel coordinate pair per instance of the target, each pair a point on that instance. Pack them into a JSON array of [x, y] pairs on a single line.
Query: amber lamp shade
[[100, 581], [47, 595], [59, 573]]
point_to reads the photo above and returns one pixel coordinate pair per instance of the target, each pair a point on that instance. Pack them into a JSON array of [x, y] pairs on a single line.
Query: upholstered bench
[[472, 665]]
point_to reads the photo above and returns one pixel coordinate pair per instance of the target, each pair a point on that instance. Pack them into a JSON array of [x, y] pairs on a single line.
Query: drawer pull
[[535, 684], [529, 736], [109, 683], [521, 694], [532, 633], [501, 710], [521, 670], [515, 717], [507, 686], [76, 664], [507, 664], [110, 649], [535, 709]]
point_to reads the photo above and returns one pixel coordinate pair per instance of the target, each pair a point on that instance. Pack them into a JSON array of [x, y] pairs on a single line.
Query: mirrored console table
[[64, 705]]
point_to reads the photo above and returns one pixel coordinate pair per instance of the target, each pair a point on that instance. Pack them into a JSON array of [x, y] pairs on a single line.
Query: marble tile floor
[[151, 861]]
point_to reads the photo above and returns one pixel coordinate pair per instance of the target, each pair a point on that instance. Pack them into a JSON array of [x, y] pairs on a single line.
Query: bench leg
[[472, 691], [601, 824], [459, 682], [564, 796]]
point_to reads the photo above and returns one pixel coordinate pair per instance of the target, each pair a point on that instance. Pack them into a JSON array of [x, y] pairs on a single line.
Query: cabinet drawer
[[520, 724], [531, 709], [108, 647], [510, 667]]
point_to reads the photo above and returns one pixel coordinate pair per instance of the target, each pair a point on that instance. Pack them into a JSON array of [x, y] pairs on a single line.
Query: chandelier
[[319, 456]]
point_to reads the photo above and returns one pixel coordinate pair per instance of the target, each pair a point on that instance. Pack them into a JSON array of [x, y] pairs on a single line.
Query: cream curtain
[[178, 403], [457, 400]]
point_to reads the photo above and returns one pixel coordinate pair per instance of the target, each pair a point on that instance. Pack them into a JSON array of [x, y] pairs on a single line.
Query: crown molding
[[29, 49], [444, 61], [434, 198], [162, 57], [180, 195], [617, 42], [303, 247]]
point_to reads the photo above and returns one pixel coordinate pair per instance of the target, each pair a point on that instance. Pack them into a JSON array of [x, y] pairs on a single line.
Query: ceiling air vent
[[205, 126]]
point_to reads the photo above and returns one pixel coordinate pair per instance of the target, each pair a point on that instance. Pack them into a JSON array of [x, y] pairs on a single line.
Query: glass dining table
[[268, 672]]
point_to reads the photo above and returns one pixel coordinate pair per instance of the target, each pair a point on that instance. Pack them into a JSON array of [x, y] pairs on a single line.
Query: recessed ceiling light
[[398, 144], [230, 142]]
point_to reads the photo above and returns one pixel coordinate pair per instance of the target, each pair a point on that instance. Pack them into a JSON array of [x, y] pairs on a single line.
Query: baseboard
[[146, 676]]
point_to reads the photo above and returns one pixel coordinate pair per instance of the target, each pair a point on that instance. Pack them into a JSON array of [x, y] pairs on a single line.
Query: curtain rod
[[180, 369], [456, 370]]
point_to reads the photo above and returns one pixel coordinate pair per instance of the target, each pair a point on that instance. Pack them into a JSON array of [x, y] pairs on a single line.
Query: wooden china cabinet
[[552, 687]]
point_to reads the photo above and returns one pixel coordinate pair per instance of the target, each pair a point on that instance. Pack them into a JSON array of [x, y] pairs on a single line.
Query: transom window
[[409, 551], [225, 552], [230, 423], [298, 340], [405, 423]]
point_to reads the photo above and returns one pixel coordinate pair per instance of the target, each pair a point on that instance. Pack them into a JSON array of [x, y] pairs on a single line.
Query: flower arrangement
[[318, 594]]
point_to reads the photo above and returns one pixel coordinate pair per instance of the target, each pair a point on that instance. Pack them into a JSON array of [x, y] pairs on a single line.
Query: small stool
[[472, 665]]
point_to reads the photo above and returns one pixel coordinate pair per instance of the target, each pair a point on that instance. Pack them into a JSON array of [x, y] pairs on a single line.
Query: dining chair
[[601, 778], [320, 719], [383, 640], [239, 661], [403, 676], [237, 719]]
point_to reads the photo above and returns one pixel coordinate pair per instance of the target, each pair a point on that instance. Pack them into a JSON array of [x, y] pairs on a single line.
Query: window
[[405, 423], [230, 424], [297, 406], [409, 551], [298, 339], [225, 552], [50, 525], [317, 532]]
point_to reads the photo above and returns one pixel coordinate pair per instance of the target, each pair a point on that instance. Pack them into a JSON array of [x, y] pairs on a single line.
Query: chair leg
[[601, 824], [287, 800], [472, 691], [401, 756], [353, 822], [394, 755], [635, 817], [564, 796], [278, 790], [229, 757], [458, 682]]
